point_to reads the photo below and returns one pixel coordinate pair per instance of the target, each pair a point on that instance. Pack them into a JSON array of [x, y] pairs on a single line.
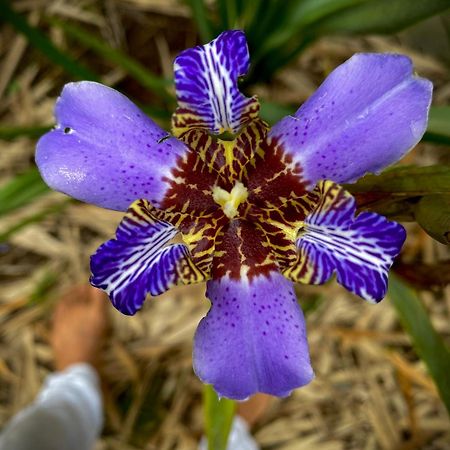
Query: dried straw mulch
[[370, 391]]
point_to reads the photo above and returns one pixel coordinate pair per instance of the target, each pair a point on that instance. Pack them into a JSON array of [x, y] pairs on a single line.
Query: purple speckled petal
[[253, 339], [104, 150], [365, 116], [137, 263], [359, 249], [206, 84]]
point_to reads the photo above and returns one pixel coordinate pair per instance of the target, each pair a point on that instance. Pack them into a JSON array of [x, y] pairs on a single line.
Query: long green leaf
[[396, 191], [272, 112], [219, 415], [307, 20], [381, 16], [41, 42], [405, 181], [438, 129], [302, 14], [429, 345], [433, 215], [147, 79], [21, 190], [10, 133], [200, 15]]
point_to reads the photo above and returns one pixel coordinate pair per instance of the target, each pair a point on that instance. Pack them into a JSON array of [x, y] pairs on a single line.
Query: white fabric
[[239, 439], [66, 415]]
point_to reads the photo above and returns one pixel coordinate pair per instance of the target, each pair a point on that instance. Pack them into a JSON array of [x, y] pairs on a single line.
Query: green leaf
[[429, 345], [228, 14], [302, 14], [273, 112], [380, 16], [147, 79], [200, 15], [433, 215], [21, 190], [219, 415], [405, 181], [438, 129], [396, 191], [41, 42], [10, 133]]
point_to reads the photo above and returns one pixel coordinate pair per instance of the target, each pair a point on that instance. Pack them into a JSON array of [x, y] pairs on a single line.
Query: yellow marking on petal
[[230, 201], [228, 147], [244, 271], [290, 230], [191, 238]]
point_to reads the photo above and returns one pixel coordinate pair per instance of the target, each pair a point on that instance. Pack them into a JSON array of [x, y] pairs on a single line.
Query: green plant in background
[[278, 31]]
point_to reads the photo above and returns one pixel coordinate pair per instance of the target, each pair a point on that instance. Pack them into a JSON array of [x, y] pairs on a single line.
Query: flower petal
[[274, 177], [365, 116], [253, 339], [360, 249], [136, 263], [206, 84], [104, 150]]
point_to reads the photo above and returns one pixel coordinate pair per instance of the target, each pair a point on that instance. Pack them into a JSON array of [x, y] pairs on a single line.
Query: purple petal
[[136, 263], [253, 339], [360, 250], [365, 116], [206, 85], [104, 150]]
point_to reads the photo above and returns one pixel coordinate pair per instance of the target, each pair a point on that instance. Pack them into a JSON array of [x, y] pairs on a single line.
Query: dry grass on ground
[[371, 392]]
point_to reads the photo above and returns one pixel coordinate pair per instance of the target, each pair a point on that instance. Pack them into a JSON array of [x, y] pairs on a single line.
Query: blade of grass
[[42, 43], [147, 79], [429, 345], [21, 190], [219, 415]]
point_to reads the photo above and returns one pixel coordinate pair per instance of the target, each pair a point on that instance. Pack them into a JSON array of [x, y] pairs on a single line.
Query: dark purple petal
[[206, 84], [136, 263], [365, 116], [359, 249], [104, 150], [253, 339]]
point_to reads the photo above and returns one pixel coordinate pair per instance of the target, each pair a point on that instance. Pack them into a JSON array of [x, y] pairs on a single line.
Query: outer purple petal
[[206, 84], [359, 249], [365, 116], [253, 339], [137, 263], [104, 150]]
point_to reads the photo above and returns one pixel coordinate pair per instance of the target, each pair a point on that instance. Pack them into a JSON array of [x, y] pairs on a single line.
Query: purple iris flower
[[256, 209]]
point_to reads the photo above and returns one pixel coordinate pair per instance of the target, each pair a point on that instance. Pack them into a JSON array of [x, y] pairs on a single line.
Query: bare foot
[[79, 326], [253, 409]]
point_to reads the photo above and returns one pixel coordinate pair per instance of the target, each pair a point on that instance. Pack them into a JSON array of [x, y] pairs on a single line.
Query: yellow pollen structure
[[230, 201]]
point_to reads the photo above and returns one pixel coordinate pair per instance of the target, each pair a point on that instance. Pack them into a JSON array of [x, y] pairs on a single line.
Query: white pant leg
[[239, 438], [66, 415]]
